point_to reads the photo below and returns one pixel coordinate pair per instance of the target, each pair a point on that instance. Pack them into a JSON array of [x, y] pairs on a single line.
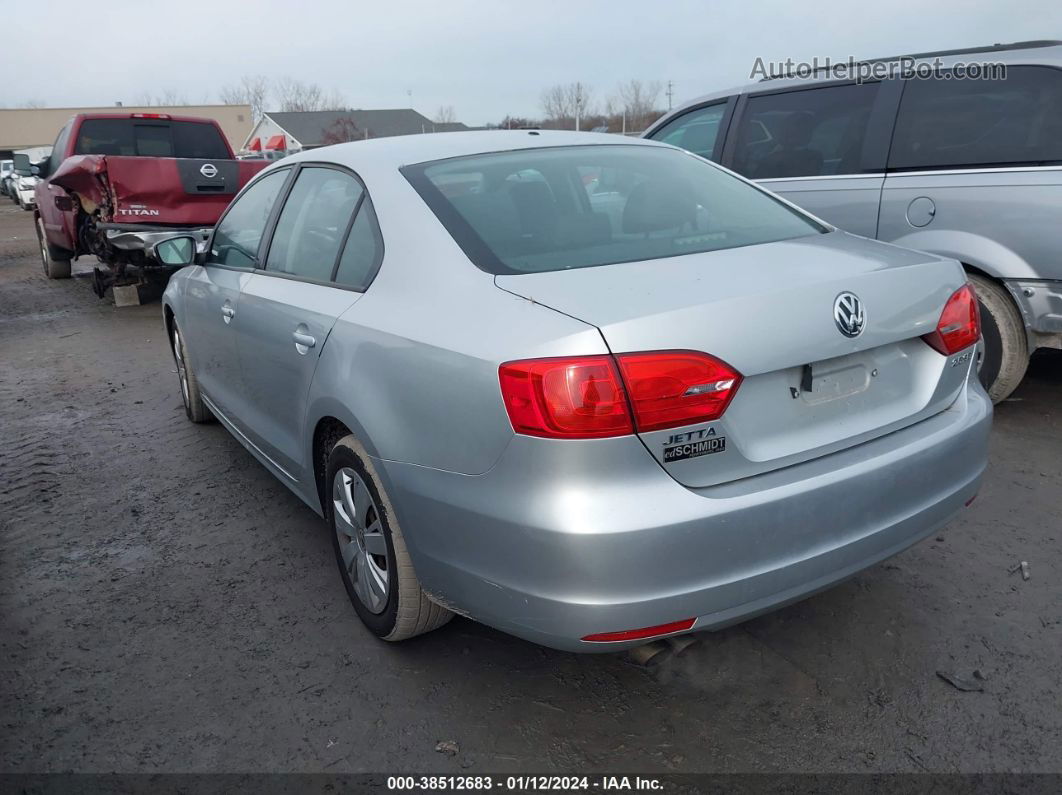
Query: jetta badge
[[849, 314], [208, 170]]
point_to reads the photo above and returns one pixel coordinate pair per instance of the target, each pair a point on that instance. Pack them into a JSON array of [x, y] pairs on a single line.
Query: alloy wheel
[[182, 373], [362, 544]]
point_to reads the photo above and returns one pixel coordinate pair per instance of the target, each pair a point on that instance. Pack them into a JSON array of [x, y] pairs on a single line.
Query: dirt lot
[[167, 606]]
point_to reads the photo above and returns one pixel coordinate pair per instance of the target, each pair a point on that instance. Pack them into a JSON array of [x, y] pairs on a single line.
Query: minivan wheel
[[194, 406], [53, 268], [1004, 349], [371, 550]]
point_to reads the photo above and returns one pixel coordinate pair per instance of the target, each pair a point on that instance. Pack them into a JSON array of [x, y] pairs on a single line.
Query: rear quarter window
[[948, 123]]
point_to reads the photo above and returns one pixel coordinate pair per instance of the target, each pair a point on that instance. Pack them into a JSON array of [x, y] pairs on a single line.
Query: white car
[[24, 189], [7, 177]]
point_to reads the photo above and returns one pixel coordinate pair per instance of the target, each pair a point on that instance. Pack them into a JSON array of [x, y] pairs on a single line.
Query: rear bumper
[[1040, 302], [131, 237], [562, 540]]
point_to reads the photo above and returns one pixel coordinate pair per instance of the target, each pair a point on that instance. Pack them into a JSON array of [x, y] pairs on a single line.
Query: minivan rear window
[[150, 138], [555, 208]]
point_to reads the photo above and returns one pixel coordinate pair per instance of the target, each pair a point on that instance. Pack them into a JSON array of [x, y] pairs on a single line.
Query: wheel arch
[[987, 256], [326, 433]]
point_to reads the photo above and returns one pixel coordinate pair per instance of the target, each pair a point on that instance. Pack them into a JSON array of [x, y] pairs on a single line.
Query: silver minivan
[[964, 168]]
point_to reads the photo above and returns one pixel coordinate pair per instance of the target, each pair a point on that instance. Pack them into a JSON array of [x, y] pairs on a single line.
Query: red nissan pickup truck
[[115, 184]]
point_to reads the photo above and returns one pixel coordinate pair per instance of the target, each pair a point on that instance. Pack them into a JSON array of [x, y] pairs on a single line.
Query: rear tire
[[1004, 346], [371, 550], [54, 267]]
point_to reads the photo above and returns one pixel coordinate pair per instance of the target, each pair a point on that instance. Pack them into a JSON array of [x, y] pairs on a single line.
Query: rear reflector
[[643, 633], [591, 397], [960, 323], [571, 398], [668, 389]]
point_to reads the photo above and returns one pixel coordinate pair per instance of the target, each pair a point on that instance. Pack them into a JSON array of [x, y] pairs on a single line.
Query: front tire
[[371, 550], [194, 406], [54, 267], [1004, 347]]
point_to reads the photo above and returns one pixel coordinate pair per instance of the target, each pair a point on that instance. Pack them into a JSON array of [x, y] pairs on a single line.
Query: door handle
[[228, 312], [303, 341]]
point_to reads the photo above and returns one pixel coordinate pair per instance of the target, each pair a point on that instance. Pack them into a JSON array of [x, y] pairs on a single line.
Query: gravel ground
[[167, 606]]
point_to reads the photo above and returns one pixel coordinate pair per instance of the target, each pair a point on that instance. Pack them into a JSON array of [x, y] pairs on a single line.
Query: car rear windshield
[[551, 209], [151, 138]]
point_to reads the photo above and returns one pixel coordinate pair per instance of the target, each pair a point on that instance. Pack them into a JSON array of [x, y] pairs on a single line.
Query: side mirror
[[175, 250]]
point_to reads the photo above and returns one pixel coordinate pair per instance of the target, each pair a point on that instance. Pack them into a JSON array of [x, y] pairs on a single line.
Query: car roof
[[1020, 53], [403, 150]]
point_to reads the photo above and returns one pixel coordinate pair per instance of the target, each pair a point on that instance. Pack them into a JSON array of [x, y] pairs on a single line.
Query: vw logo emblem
[[208, 170], [849, 314]]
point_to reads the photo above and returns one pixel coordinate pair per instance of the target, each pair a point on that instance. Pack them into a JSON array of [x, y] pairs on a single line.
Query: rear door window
[[313, 223], [949, 123], [807, 133], [696, 131]]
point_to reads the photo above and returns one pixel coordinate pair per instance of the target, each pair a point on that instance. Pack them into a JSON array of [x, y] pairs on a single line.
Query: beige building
[[22, 128]]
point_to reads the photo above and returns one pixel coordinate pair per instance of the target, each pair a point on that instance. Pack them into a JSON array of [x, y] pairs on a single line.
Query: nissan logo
[[208, 170], [849, 314]]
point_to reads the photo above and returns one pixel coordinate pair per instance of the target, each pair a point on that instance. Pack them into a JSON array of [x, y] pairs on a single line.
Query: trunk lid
[[768, 311], [155, 190]]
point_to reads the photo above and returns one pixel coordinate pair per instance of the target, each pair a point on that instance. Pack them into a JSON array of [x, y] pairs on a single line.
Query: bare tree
[[342, 130], [556, 103], [565, 105], [252, 90], [31, 103], [295, 95], [518, 123], [639, 101], [445, 115], [168, 97]]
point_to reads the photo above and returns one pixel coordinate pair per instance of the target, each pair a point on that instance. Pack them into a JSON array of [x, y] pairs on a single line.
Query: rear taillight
[[960, 323], [574, 398], [672, 388], [586, 397]]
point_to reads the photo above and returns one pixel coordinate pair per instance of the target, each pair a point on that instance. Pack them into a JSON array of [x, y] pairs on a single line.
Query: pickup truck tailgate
[[155, 190]]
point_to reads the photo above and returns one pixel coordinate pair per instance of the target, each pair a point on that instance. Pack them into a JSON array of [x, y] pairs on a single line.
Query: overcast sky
[[486, 59]]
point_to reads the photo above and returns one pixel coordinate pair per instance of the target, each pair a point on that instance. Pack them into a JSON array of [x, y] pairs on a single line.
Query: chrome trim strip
[[915, 173], [943, 172], [233, 429], [821, 177]]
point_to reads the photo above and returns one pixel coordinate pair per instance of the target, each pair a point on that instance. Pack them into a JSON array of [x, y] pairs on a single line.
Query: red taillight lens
[[672, 388], [585, 397], [960, 323], [642, 634], [575, 398]]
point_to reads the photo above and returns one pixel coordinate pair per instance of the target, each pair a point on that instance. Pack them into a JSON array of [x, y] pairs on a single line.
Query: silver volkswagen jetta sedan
[[584, 389]]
